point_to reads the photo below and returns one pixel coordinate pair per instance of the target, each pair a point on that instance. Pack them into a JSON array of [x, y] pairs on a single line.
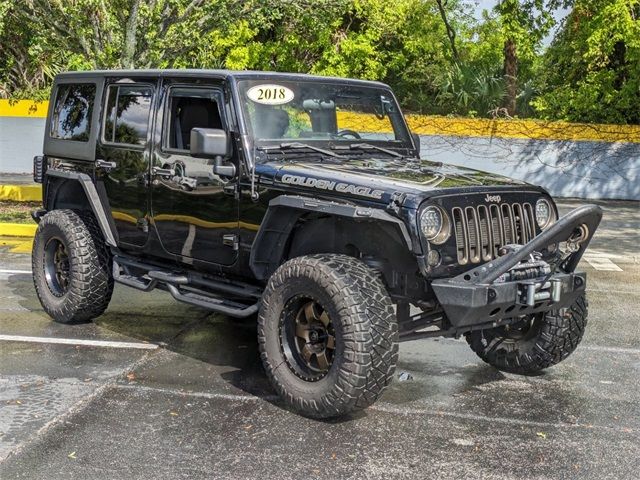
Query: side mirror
[[416, 142], [213, 143]]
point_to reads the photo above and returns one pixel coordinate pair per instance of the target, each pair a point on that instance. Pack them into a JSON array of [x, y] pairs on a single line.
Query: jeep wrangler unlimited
[[301, 200]]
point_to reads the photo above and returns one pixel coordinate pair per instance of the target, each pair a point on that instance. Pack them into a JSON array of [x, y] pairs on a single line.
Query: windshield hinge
[[143, 224], [231, 240], [397, 200]]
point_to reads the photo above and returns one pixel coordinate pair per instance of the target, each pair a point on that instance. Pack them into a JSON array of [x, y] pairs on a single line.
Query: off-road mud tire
[[90, 283], [556, 335], [366, 334]]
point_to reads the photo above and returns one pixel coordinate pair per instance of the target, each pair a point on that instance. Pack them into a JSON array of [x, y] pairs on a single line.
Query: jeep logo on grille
[[492, 198]]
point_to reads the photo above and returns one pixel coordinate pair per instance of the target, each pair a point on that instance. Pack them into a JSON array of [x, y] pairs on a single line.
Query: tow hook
[[531, 292]]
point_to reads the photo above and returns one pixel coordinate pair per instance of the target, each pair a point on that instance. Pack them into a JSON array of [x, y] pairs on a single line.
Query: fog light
[[433, 258]]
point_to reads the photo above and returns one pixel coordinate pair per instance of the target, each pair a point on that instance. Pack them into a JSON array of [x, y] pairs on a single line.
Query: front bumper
[[479, 297]]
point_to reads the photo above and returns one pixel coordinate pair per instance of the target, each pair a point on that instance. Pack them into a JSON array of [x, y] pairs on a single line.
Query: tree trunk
[[510, 75], [130, 35], [451, 33]]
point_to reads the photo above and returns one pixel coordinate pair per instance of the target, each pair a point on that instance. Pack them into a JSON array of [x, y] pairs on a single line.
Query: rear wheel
[[328, 334], [533, 343], [71, 266]]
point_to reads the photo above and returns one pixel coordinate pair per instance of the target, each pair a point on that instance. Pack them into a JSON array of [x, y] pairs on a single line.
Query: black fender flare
[[97, 207], [284, 211]]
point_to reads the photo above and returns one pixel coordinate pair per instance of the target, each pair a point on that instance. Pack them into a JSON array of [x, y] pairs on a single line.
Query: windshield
[[308, 111]]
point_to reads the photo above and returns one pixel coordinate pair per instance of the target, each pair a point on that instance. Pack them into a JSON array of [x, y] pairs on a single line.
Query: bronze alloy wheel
[[307, 338], [328, 334], [56, 266]]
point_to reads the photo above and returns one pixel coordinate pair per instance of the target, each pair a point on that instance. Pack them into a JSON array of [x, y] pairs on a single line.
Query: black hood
[[379, 180]]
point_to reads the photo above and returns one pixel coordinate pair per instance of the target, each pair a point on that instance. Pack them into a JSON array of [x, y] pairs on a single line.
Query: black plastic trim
[[94, 200], [282, 215]]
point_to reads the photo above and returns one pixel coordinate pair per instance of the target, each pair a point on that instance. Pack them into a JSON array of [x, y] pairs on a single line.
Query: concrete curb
[[18, 229], [21, 193]]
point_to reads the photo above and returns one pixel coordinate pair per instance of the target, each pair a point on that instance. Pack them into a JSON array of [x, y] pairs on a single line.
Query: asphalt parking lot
[[157, 389]]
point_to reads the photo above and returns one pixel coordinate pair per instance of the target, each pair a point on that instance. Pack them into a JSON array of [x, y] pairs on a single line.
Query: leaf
[[541, 434]]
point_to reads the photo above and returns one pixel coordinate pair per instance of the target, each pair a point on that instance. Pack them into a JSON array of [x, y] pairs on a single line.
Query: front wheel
[[533, 343], [328, 335]]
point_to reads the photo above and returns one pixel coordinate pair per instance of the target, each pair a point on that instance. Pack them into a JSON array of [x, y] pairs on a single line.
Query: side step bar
[[212, 303], [190, 293]]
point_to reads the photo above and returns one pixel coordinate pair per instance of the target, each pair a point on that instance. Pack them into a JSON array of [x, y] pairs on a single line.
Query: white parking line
[[15, 272], [597, 348], [602, 263], [380, 406], [78, 341]]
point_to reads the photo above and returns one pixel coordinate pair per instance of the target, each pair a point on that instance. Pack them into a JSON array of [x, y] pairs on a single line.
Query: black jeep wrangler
[[303, 201]]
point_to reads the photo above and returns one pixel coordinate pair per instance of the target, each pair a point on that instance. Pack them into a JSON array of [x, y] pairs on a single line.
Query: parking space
[[157, 389]]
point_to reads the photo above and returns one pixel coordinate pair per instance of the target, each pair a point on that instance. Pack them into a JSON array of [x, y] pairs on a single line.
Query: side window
[[72, 112], [189, 108], [127, 114]]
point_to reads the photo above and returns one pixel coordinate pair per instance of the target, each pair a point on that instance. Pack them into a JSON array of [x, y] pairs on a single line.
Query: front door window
[[192, 212]]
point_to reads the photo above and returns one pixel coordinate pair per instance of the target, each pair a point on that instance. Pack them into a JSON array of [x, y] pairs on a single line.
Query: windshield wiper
[[368, 146], [290, 145]]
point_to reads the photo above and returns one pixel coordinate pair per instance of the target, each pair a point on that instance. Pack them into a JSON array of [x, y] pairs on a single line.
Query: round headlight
[[545, 215], [434, 224]]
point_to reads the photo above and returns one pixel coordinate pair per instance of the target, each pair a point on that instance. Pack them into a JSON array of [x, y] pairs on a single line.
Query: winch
[[531, 275], [533, 267]]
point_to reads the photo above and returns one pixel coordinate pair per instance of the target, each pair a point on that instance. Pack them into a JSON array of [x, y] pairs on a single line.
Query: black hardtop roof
[[223, 74]]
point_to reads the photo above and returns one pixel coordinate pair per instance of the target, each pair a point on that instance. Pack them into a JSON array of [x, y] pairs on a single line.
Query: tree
[[592, 69], [524, 25]]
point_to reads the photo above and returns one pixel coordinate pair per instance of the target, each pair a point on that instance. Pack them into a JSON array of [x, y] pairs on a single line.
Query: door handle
[[163, 172], [105, 164]]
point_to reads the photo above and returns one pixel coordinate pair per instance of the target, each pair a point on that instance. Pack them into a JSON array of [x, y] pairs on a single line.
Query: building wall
[[582, 169], [20, 141], [569, 160]]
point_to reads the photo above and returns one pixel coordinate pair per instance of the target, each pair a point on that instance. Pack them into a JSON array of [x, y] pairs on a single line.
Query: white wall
[[597, 170], [20, 141], [582, 169]]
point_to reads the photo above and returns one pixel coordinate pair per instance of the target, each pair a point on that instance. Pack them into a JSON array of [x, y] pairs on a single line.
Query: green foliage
[[466, 89], [435, 54], [592, 70]]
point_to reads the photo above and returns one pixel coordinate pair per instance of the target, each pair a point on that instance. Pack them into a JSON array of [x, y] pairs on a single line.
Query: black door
[[194, 211], [122, 156]]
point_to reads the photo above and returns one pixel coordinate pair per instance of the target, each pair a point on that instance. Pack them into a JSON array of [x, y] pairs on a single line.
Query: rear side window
[[127, 115], [72, 112]]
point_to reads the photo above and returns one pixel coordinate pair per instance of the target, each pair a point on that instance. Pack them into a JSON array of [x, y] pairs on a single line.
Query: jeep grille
[[480, 231]]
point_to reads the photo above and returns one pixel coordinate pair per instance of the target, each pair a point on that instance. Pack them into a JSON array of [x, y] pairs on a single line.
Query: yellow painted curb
[[23, 108], [21, 193], [17, 245], [435, 125], [522, 129], [499, 128], [18, 229]]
